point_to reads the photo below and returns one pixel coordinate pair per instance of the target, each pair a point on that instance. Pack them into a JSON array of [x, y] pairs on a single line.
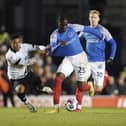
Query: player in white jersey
[[18, 61]]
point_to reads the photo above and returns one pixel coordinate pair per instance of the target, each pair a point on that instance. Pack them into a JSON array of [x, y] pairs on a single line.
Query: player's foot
[[77, 110], [30, 107], [55, 110], [91, 91]]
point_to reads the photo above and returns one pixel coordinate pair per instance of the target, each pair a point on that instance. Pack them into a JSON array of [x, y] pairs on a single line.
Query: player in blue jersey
[[95, 49], [65, 42]]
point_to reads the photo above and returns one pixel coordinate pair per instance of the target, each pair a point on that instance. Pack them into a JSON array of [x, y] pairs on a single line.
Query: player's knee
[[98, 88], [61, 75], [20, 88], [80, 85]]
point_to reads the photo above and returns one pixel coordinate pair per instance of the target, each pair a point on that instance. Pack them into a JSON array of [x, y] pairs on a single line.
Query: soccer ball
[[71, 105]]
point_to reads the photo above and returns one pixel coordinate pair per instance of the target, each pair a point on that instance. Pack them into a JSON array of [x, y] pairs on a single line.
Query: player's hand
[[48, 47], [110, 61], [62, 43]]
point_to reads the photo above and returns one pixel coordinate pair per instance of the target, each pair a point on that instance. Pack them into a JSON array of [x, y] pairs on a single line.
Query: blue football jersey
[[72, 43], [95, 47]]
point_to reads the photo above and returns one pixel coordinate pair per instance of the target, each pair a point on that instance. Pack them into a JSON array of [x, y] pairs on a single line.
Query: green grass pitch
[[88, 117]]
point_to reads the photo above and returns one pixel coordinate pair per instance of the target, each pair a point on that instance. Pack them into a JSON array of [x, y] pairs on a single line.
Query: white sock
[[27, 101], [56, 106], [79, 106]]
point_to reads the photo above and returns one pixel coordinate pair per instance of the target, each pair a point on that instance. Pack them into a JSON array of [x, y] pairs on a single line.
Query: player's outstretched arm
[[84, 28], [44, 49]]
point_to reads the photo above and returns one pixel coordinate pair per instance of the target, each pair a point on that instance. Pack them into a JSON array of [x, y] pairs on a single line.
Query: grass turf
[[88, 117]]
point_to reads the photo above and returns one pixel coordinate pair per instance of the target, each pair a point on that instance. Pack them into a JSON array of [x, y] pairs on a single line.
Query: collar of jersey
[[13, 50]]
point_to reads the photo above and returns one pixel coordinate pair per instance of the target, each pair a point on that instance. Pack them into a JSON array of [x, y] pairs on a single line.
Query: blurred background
[[36, 19]]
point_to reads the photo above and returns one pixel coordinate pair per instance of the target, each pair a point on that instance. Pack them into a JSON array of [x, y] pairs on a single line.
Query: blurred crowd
[[47, 73]]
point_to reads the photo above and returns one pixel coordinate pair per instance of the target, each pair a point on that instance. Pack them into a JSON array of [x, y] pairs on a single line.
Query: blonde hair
[[94, 12]]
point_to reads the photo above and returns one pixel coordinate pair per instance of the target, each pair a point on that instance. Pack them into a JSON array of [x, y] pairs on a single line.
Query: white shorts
[[97, 71], [79, 63]]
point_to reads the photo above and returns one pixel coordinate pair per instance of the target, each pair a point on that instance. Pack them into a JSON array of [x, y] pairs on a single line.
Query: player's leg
[[82, 71], [98, 76], [20, 91], [92, 90], [64, 70], [11, 96], [82, 86], [57, 88], [5, 99]]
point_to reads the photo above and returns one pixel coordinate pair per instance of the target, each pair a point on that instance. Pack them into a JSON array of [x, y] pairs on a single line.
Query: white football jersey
[[18, 61]]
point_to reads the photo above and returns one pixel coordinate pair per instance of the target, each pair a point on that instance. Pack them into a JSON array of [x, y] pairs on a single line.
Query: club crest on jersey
[[70, 34]]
